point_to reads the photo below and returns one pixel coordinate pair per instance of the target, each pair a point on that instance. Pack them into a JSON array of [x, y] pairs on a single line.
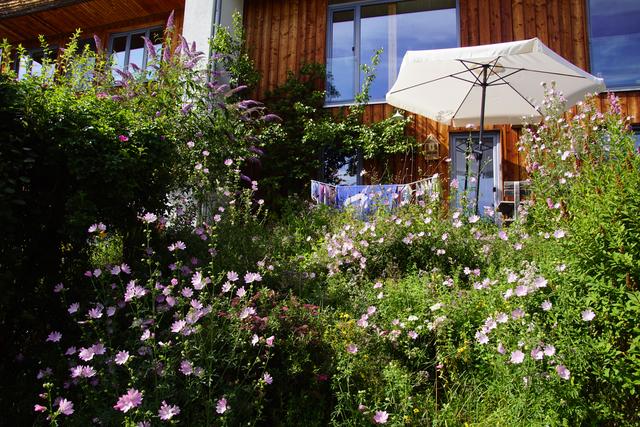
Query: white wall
[[200, 16]]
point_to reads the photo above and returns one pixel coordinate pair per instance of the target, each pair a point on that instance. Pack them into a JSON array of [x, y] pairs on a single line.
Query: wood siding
[[283, 34], [100, 17]]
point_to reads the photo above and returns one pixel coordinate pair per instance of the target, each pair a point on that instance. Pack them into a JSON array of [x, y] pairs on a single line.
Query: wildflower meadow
[[148, 281]]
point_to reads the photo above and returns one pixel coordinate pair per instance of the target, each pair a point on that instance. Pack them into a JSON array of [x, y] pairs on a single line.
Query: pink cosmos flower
[[563, 372], [123, 138], [54, 336], [241, 292], [166, 411], [517, 357], [132, 399], [588, 315], [65, 407], [381, 417], [267, 378], [221, 406], [122, 357], [352, 348], [226, 287]]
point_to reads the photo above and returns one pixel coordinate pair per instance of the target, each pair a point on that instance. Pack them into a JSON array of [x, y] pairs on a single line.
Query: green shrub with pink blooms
[[203, 308]]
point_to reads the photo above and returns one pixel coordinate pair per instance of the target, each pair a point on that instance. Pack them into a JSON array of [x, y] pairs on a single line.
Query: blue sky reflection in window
[[615, 42], [357, 31]]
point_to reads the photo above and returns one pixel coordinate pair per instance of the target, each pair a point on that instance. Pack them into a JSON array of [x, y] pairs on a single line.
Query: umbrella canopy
[[489, 84]]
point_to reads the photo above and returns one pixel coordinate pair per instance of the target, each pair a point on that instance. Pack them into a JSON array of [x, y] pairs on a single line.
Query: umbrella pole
[[485, 68]]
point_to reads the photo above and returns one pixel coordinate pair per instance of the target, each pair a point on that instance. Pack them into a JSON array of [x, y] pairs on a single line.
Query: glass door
[[473, 165]]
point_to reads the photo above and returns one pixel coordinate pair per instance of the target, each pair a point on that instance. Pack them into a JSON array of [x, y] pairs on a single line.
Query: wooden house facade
[[284, 34]]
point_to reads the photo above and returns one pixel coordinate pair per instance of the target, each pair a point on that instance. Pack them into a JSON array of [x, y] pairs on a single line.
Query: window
[[128, 50], [636, 132], [615, 42], [358, 29], [32, 62]]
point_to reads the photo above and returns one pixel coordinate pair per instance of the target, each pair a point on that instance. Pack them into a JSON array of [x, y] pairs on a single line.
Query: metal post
[[485, 68]]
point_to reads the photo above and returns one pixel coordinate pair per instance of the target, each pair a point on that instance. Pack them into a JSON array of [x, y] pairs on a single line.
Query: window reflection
[[396, 27], [615, 41]]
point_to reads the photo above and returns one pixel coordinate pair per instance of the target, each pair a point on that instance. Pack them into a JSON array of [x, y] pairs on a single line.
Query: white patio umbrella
[[488, 84]]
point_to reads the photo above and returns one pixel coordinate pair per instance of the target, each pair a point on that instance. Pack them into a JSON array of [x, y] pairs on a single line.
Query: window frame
[[356, 6], [590, 46], [129, 34], [30, 53]]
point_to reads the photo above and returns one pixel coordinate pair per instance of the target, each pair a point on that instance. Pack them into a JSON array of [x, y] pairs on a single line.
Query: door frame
[[494, 138]]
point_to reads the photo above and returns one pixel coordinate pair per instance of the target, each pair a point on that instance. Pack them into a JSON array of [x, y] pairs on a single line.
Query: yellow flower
[[416, 410]]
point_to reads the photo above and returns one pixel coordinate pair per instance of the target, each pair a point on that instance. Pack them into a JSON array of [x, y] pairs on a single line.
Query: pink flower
[[73, 308], [132, 399], [537, 353], [86, 354], [241, 292], [149, 217], [179, 245], [178, 326], [517, 357], [270, 340], [65, 407], [54, 336], [559, 234], [481, 338], [517, 313], [588, 315], [252, 277], [352, 348], [378, 285], [123, 138], [503, 235], [546, 305], [232, 276], [267, 378], [39, 408], [473, 219], [549, 350], [228, 162], [380, 417], [413, 335], [246, 312], [186, 367], [122, 357], [563, 372], [221, 406], [58, 288], [166, 411]]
